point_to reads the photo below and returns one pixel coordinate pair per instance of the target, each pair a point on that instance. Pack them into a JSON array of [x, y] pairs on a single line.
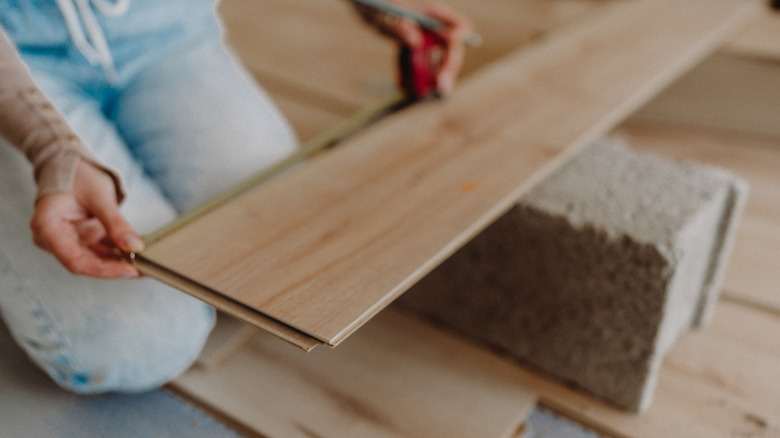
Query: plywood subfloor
[[398, 377]]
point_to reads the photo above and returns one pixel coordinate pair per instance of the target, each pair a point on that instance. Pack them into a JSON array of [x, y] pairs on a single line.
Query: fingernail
[[409, 32], [134, 243]]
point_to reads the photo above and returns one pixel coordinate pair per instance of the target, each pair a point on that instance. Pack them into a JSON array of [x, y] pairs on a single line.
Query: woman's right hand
[[84, 229], [408, 33]]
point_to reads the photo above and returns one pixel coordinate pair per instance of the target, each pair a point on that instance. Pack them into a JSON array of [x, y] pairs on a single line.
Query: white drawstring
[[93, 44], [119, 7]]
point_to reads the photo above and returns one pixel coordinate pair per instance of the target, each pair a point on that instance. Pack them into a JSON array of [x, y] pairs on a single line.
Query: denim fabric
[[180, 122]]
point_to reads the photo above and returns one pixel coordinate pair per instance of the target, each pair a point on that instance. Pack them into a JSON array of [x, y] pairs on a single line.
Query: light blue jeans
[[180, 121]]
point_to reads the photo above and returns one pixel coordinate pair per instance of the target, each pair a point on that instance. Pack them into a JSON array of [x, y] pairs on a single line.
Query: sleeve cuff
[[57, 174]]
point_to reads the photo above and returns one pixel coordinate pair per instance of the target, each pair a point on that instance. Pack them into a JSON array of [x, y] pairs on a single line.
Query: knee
[[137, 354]]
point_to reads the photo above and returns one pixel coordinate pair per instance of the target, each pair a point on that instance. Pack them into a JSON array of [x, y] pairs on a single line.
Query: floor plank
[[396, 378], [321, 64], [318, 49]]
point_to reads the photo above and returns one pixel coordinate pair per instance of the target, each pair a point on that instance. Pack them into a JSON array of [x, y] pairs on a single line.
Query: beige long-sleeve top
[[30, 122]]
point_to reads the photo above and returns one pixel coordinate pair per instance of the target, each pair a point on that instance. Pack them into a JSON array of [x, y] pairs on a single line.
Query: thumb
[[97, 194], [409, 33], [119, 231]]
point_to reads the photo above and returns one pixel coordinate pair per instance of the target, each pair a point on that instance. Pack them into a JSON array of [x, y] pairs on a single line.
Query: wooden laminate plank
[[396, 378], [752, 272], [718, 382], [326, 246]]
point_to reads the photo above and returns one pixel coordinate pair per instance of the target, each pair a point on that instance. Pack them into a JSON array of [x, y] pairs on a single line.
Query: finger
[[57, 225], [103, 206], [96, 192], [106, 250], [91, 231], [62, 240], [408, 33], [92, 265], [92, 235], [120, 233], [453, 38], [452, 61]]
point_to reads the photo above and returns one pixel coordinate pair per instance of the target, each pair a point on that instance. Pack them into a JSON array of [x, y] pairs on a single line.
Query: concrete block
[[593, 276]]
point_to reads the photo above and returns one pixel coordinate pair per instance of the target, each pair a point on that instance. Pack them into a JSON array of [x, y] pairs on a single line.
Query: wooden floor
[[284, 42], [722, 381]]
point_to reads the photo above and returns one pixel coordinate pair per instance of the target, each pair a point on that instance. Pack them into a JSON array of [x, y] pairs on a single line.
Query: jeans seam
[[64, 356]]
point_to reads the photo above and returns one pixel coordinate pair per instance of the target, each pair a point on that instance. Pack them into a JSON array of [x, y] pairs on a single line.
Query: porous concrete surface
[[595, 273]]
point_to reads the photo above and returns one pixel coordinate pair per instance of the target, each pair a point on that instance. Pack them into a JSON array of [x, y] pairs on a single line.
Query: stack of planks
[[706, 389]]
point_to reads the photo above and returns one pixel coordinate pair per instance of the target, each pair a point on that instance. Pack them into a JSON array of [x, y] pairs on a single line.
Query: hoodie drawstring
[[85, 30]]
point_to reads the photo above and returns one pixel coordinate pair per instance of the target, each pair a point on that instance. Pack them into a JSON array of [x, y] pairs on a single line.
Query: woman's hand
[[408, 33], [83, 228]]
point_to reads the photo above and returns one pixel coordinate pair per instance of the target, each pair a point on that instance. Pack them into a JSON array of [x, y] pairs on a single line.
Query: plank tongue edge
[[225, 304]]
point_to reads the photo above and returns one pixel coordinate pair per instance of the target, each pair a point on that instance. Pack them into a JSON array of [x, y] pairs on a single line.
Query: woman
[[130, 113]]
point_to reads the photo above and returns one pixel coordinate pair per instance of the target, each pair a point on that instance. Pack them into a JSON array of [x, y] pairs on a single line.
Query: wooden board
[[396, 378], [326, 246], [228, 305]]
